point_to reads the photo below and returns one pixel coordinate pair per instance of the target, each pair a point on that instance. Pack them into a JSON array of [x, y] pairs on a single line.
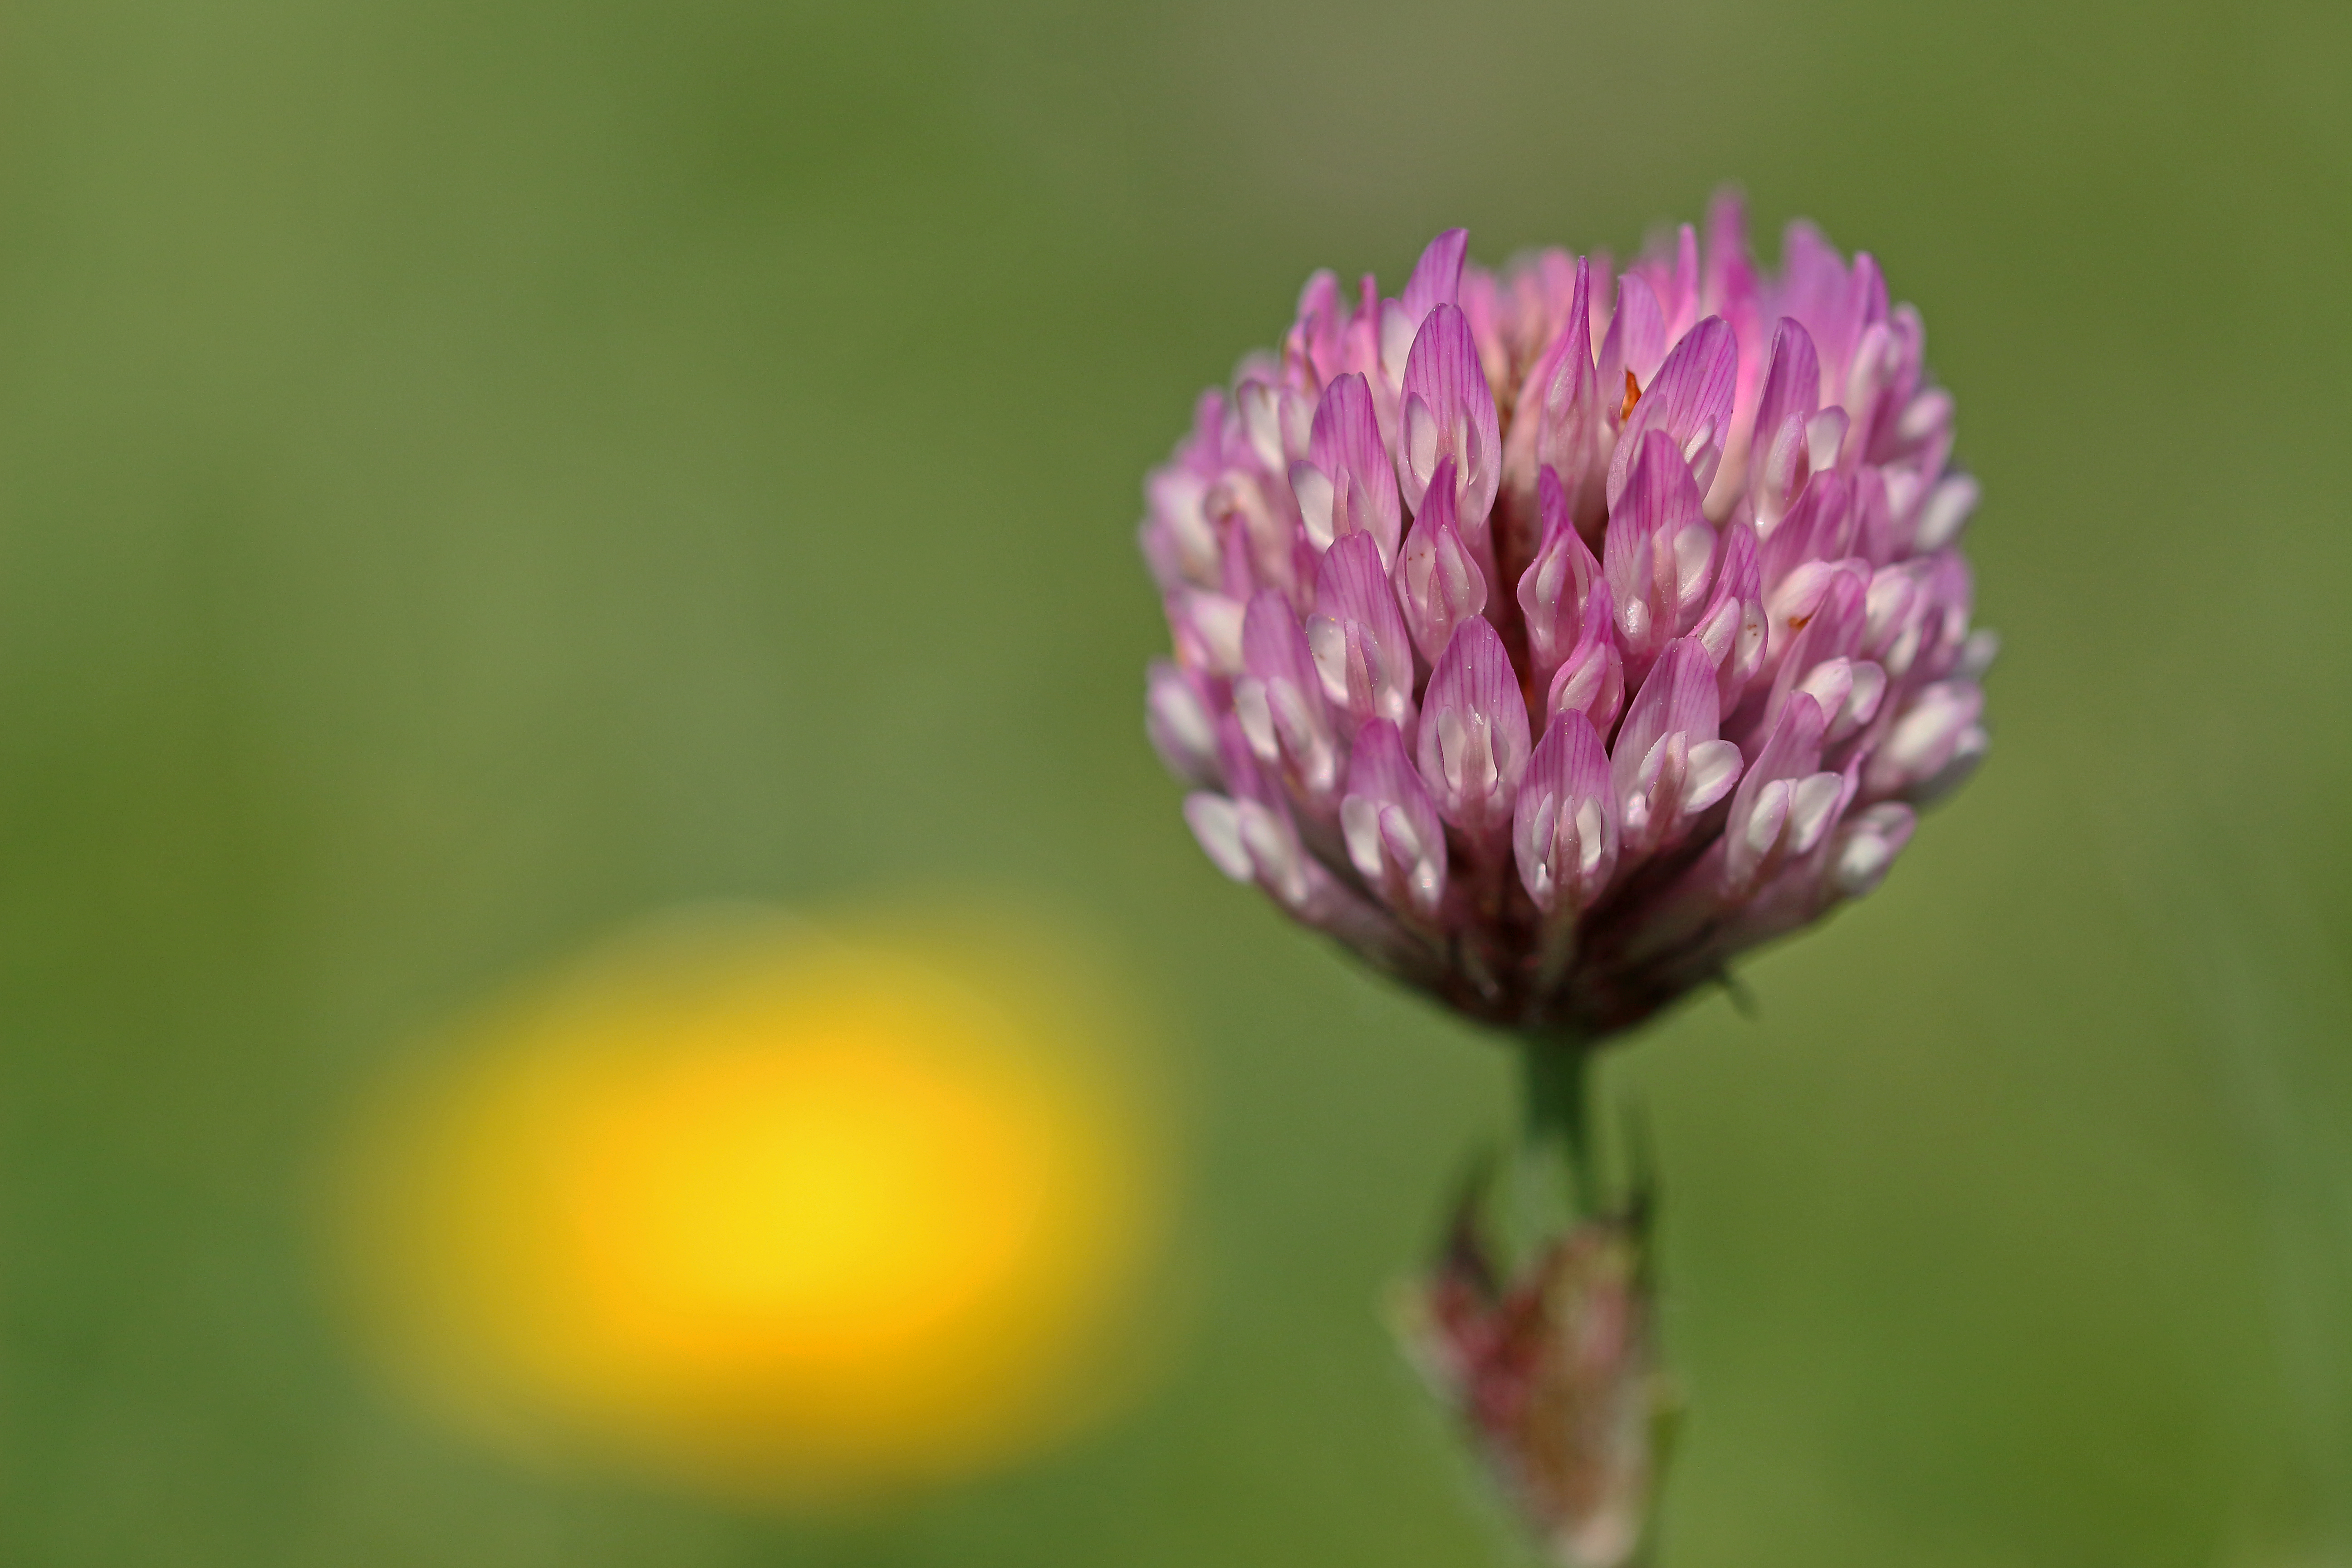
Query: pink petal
[[1439, 582], [1864, 848], [1591, 679], [1437, 275], [1678, 697], [1280, 704], [1793, 753], [1345, 446], [1656, 527], [1635, 344], [1564, 823], [1778, 460], [1181, 723], [1357, 637], [1560, 421], [1394, 836], [1558, 584], [1690, 400], [1446, 410], [1733, 627], [1473, 740]]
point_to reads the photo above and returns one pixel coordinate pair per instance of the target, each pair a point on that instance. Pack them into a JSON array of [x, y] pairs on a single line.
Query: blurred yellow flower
[[791, 1216]]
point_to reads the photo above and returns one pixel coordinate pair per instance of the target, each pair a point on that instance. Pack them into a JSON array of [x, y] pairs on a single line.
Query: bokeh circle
[[799, 1216]]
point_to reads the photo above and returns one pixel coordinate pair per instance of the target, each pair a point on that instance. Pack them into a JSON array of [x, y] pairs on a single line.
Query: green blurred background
[[472, 474]]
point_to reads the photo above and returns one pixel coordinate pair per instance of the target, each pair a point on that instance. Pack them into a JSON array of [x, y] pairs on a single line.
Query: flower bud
[[1554, 1373]]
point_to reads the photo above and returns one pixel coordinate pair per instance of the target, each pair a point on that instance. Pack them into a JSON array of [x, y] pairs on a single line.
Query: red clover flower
[[1550, 643], [1551, 647]]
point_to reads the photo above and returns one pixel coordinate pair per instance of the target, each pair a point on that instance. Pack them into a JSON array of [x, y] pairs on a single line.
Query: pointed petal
[[1345, 446], [1474, 740], [1592, 681], [1643, 551], [1207, 631], [1320, 331], [1791, 382], [1813, 290], [1945, 513], [1446, 410], [1393, 835], [1558, 584], [1557, 421], [1679, 697], [1925, 736], [1357, 637], [1180, 723], [1813, 802], [1437, 275], [1280, 704], [1440, 584], [1636, 343], [1733, 625], [1690, 400], [1564, 823], [1818, 528], [1779, 461], [1761, 805], [1864, 848], [1215, 820], [1712, 769]]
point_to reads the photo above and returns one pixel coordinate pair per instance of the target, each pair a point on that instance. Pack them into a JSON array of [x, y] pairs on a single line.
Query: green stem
[[1559, 1077]]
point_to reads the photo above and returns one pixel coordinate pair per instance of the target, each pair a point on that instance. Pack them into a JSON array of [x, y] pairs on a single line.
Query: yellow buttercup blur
[[792, 1215]]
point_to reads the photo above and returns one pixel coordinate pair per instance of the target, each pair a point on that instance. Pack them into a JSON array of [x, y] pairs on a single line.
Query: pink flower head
[[1550, 637]]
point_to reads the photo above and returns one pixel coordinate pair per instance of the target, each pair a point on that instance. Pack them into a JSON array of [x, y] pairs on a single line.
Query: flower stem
[[1559, 1082]]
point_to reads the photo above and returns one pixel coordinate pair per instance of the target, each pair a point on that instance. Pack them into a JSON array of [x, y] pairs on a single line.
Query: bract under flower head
[[1550, 640]]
